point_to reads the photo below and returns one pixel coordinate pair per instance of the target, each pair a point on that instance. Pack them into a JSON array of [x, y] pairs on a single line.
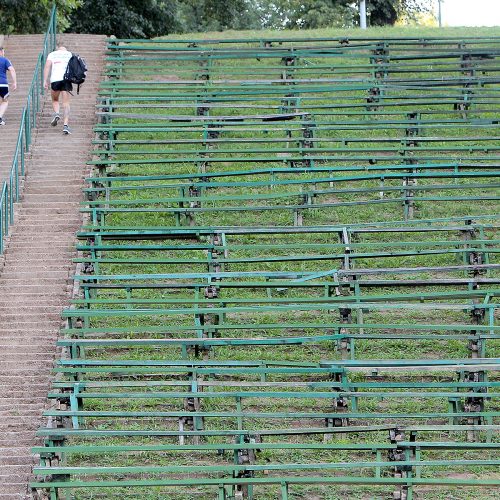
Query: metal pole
[[362, 14], [439, 14]]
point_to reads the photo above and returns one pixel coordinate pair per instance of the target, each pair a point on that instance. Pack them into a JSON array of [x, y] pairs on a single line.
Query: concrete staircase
[[35, 280]]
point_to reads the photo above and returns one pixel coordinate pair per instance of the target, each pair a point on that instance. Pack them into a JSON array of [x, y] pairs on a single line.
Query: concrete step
[[9, 470], [29, 309], [28, 380], [37, 357], [54, 187], [43, 290], [28, 390], [57, 244], [7, 460], [22, 410], [45, 265], [40, 281], [46, 216], [14, 369], [7, 298], [56, 257], [41, 271]]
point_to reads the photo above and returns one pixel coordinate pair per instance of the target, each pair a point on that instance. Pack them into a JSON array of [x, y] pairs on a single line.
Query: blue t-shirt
[[4, 65]]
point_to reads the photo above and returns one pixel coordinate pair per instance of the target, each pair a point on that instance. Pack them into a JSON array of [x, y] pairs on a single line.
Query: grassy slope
[[378, 32], [383, 32]]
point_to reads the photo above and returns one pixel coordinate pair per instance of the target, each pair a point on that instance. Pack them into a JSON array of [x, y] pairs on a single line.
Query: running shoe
[[55, 119], [66, 130]]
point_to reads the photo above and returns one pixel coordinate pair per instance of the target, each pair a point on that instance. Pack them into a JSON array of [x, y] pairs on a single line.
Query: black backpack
[[76, 71]]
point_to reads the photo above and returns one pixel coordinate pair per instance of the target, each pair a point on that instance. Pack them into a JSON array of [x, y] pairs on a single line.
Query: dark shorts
[[4, 92], [62, 85]]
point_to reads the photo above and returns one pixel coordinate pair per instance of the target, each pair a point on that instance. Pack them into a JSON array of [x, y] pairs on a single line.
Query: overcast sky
[[471, 13]]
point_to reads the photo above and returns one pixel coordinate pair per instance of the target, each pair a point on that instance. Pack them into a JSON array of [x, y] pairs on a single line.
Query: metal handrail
[[10, 189]]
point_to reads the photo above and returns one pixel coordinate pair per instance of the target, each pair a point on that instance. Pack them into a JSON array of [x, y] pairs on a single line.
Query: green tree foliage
[[382, 12], [150, 18], [32, 16], [305, 14], [217, 15], [386, 12], [126, 18]]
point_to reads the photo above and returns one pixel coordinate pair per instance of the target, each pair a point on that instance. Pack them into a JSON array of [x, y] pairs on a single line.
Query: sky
[[470, 13]]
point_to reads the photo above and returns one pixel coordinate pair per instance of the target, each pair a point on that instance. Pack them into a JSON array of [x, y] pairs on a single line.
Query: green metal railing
[[10, 189]]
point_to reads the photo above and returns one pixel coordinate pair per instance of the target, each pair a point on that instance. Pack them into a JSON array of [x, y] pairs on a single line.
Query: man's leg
[[65, 104], [54, 94], [66, 107], [55, 100], [4, 103]]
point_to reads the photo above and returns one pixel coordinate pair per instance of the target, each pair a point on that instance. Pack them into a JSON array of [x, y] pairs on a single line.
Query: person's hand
[[45, 85], [14, 86]]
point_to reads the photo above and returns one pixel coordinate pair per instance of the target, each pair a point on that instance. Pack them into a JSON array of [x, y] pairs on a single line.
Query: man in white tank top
[[55, 67]]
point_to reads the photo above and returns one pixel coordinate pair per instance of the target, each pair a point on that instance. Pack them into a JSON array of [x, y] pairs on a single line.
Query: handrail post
[[4, 223], [23, 139], [11, 201], [54, 27], [41, 59], [27, 124]]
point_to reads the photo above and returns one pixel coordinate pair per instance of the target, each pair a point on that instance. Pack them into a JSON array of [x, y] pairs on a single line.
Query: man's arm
[[12, 72], [46, 73]]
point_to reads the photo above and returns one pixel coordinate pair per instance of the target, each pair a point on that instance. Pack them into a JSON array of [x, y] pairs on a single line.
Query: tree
[[305, 14], [387, 12], [150, 18], [382, 12], [126, 18], [217, 15], [28, 16]]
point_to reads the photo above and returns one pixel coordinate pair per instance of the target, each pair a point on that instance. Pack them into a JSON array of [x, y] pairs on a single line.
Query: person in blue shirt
[[5, 66]]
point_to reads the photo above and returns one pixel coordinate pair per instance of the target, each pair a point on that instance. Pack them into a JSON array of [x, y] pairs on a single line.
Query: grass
[[352, 140]]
